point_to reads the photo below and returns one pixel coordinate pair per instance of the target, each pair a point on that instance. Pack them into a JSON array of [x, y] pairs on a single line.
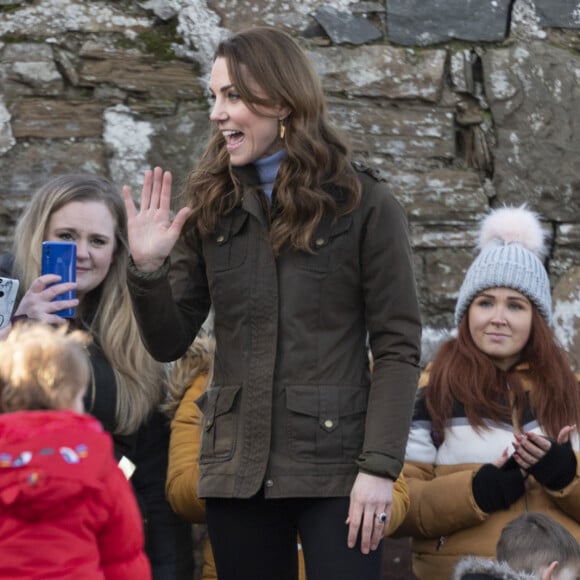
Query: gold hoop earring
[[282, 129]]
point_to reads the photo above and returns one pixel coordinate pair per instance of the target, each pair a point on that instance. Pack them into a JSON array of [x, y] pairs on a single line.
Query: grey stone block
[[558, 13], [425, 22], [344, 27]]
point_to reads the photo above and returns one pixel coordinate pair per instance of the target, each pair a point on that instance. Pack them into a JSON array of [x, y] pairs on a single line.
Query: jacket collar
[[247, 174], [249, 177]]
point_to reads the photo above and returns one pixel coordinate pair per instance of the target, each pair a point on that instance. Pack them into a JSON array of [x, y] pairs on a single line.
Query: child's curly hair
[[42, 367]]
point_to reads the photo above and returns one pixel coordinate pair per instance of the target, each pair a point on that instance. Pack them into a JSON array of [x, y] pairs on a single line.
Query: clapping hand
[[152, 230], [552, 463]]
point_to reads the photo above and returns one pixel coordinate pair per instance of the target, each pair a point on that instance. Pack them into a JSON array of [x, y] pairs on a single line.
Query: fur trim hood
[[472, 568]]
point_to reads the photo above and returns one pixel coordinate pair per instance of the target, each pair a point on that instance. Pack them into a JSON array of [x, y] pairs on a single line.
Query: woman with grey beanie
[[494, 427]]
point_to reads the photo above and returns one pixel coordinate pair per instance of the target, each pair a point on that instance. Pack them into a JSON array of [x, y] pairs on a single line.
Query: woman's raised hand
[[152, 230]]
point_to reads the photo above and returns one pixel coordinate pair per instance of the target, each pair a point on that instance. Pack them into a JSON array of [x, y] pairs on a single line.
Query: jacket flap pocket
[[340, 402], [303, 400], [226, 399], [342, 225], [217, 401], [203, 402], [328, 229], [230, 225], [327, 403]]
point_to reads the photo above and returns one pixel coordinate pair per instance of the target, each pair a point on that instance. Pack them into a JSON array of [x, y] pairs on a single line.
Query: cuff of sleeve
[[136, 274], [557, 468], [569, 489], [379, 464]]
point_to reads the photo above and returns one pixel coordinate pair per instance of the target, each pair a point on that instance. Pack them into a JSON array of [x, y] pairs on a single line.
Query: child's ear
[[549, 573]]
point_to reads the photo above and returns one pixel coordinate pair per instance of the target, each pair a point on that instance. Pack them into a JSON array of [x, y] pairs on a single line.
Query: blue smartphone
[[61, 258]]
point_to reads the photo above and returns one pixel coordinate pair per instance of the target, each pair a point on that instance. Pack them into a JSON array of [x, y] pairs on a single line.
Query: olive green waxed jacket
[[292, 407]]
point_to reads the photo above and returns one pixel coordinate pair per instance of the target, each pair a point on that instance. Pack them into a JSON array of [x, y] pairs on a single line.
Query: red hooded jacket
[[66, 509]]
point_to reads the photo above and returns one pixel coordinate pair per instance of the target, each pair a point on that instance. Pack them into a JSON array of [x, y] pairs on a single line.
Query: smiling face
[[249, 136], [91, 226], [500, 323]]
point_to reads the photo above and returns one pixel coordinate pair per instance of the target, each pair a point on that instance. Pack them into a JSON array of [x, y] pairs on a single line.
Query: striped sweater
[[444, 520]]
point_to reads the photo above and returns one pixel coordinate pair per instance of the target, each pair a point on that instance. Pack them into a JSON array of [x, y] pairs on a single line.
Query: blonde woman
[[126, 384]]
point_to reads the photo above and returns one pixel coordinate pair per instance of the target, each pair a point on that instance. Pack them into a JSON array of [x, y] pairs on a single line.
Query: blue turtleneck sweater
[[268, 169]]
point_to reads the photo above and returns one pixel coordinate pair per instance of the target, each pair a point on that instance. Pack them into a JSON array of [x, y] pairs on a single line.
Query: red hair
[[463, 374]]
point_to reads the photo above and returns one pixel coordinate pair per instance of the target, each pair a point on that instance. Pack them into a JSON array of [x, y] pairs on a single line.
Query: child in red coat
[[66, 509]]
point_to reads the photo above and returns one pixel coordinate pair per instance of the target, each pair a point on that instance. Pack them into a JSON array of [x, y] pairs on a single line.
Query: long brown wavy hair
[[461, 373], [318, 160]]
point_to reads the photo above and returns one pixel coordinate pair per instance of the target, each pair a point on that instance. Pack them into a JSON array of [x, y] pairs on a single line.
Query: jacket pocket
[[229, 244], [220, 421], [329, 243], [326, 423]]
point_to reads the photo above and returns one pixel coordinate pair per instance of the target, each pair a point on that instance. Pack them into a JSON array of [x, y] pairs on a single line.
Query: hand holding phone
[[8, 291], [60, 258]]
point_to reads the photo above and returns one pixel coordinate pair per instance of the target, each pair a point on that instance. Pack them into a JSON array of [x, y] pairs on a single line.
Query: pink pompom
[[510, 225]]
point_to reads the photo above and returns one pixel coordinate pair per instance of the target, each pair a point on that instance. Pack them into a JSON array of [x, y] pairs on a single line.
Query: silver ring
[[382, 517]]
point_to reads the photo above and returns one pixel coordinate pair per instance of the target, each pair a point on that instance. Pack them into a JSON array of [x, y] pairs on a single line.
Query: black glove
[[495, 489], [557, 468]]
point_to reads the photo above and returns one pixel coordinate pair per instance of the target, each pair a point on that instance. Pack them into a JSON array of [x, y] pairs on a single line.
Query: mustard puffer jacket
[[444, 519], [183, 474]]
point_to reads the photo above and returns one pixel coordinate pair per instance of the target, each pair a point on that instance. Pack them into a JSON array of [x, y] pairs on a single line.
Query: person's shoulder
[[57, 440], [86, 435], [376, 190], [367, 172], [49, 422]]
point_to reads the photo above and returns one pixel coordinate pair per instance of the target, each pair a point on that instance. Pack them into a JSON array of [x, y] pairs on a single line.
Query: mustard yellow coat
[[444, 520], [183, 474]]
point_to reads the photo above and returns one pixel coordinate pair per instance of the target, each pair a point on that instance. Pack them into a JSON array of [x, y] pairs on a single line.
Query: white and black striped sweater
[[462, 443]]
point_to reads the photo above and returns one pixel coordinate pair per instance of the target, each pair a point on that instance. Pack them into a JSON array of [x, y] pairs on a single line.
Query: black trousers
[[255, 539]]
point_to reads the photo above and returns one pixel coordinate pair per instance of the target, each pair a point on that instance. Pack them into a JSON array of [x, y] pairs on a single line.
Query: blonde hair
[[139, 377], [42, 367]]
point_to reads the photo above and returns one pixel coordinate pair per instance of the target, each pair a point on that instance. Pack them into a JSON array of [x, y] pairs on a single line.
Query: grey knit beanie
[[511, 243]]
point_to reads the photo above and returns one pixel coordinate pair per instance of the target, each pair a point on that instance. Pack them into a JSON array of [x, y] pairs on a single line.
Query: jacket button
[[319, 241], [328, 423], [268, 483], [220, 239]]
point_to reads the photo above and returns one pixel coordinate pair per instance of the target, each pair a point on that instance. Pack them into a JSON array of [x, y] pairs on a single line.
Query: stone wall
[[463, 104]]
